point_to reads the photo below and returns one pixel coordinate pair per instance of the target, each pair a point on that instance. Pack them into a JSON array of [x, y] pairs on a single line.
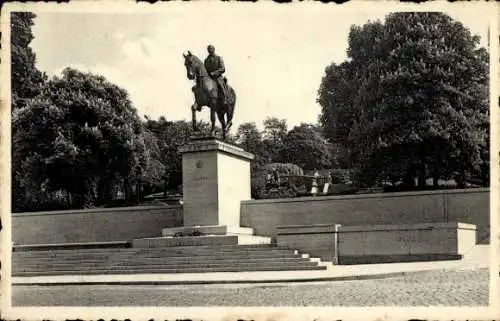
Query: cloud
[[275, 58]]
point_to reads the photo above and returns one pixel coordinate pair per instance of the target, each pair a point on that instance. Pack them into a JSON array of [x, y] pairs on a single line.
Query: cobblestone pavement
[[433, 288]]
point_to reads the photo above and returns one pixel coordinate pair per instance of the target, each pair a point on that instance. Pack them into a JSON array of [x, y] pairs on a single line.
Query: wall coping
[[364, 196], [417, 226], [308, 229], [338, 228], [198, 146], [97, 210], [305, 226]]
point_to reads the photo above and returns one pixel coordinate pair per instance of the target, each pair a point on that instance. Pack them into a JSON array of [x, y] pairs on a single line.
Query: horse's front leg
[[212, 120], [194, 108]]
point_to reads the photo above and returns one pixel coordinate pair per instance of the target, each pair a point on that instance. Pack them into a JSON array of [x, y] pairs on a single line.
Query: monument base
[[207, 235], [215, 179], [206, 230]]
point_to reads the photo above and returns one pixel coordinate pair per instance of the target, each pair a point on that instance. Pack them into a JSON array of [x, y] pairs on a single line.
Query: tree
[[305, 146], [171, 135], [26, 79], [249, 137], [26, 83], [275, 129], [274, 132], [415, 99], [81, 135]]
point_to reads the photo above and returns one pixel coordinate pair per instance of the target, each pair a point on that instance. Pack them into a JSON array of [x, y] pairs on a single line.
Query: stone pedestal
[[216, 178]]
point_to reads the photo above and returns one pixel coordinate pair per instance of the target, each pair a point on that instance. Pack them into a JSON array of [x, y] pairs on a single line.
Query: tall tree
[[420, 103], [26, 83], [81, 135], [26, 79]]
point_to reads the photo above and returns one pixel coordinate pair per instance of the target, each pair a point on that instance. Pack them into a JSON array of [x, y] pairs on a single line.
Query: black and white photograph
[[250, 161]]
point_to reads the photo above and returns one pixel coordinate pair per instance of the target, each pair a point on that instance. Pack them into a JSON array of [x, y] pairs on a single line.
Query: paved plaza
[[432, 288]]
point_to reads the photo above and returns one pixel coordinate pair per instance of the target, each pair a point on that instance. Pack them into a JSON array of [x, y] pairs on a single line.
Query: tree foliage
[[305, 146], [170, 136], [81, 135], [411, 101], [274, 133], [26, 83], [26, 79], [249, 137]]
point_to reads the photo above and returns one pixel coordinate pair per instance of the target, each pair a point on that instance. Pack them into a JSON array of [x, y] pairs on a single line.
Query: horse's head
[[191, 62]]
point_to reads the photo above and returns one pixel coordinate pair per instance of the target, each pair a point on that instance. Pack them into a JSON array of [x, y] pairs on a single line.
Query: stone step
[[175, 270], [158, 258], [170, 266], [208, 230], [211, 240], [178, 259], [221, 248], [157, 254], [72, 246], [149, 263], [214, 240]]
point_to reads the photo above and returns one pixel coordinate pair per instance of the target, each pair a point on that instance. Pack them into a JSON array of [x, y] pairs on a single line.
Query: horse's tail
[[232, 103], [230, 108]]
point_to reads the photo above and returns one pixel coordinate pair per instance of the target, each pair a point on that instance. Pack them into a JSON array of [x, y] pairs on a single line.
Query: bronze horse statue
[[207, 93]]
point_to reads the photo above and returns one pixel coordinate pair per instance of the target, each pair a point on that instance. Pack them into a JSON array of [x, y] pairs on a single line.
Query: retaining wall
[[407, 242], [467, 206], [93, 225], [368, 244]]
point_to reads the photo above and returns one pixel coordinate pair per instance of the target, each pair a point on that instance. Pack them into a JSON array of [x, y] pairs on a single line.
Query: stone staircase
[[177, 259]]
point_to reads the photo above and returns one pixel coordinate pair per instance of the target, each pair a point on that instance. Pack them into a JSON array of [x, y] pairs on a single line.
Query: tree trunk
[[436, 173], [485, 174], [138, 192], [68, 196], [408, 180], [435, 181], [126, 189], [422, 173], [460, 179]]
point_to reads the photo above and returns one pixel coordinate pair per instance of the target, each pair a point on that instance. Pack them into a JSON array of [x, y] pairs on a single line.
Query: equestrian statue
[[211, 89]]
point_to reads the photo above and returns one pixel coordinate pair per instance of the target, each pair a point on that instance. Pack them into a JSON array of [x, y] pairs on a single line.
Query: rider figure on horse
[[215, 67]]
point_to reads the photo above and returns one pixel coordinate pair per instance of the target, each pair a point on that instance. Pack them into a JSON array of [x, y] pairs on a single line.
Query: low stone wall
[[319, 241], [468, 206], [93, 225], [380, 243], [399, 243]]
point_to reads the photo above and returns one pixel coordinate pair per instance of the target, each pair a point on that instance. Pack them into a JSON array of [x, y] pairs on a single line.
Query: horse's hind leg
[[212, 121], [222, 121], [194, 108], [230, 111]]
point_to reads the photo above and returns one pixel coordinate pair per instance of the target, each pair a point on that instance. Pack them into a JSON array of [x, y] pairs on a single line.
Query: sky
[[275, 55]]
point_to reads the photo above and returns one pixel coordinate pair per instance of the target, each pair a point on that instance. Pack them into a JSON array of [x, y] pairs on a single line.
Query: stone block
[[216, 178], [185, 241], [380, 243], [208, 230], [404, 242]]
